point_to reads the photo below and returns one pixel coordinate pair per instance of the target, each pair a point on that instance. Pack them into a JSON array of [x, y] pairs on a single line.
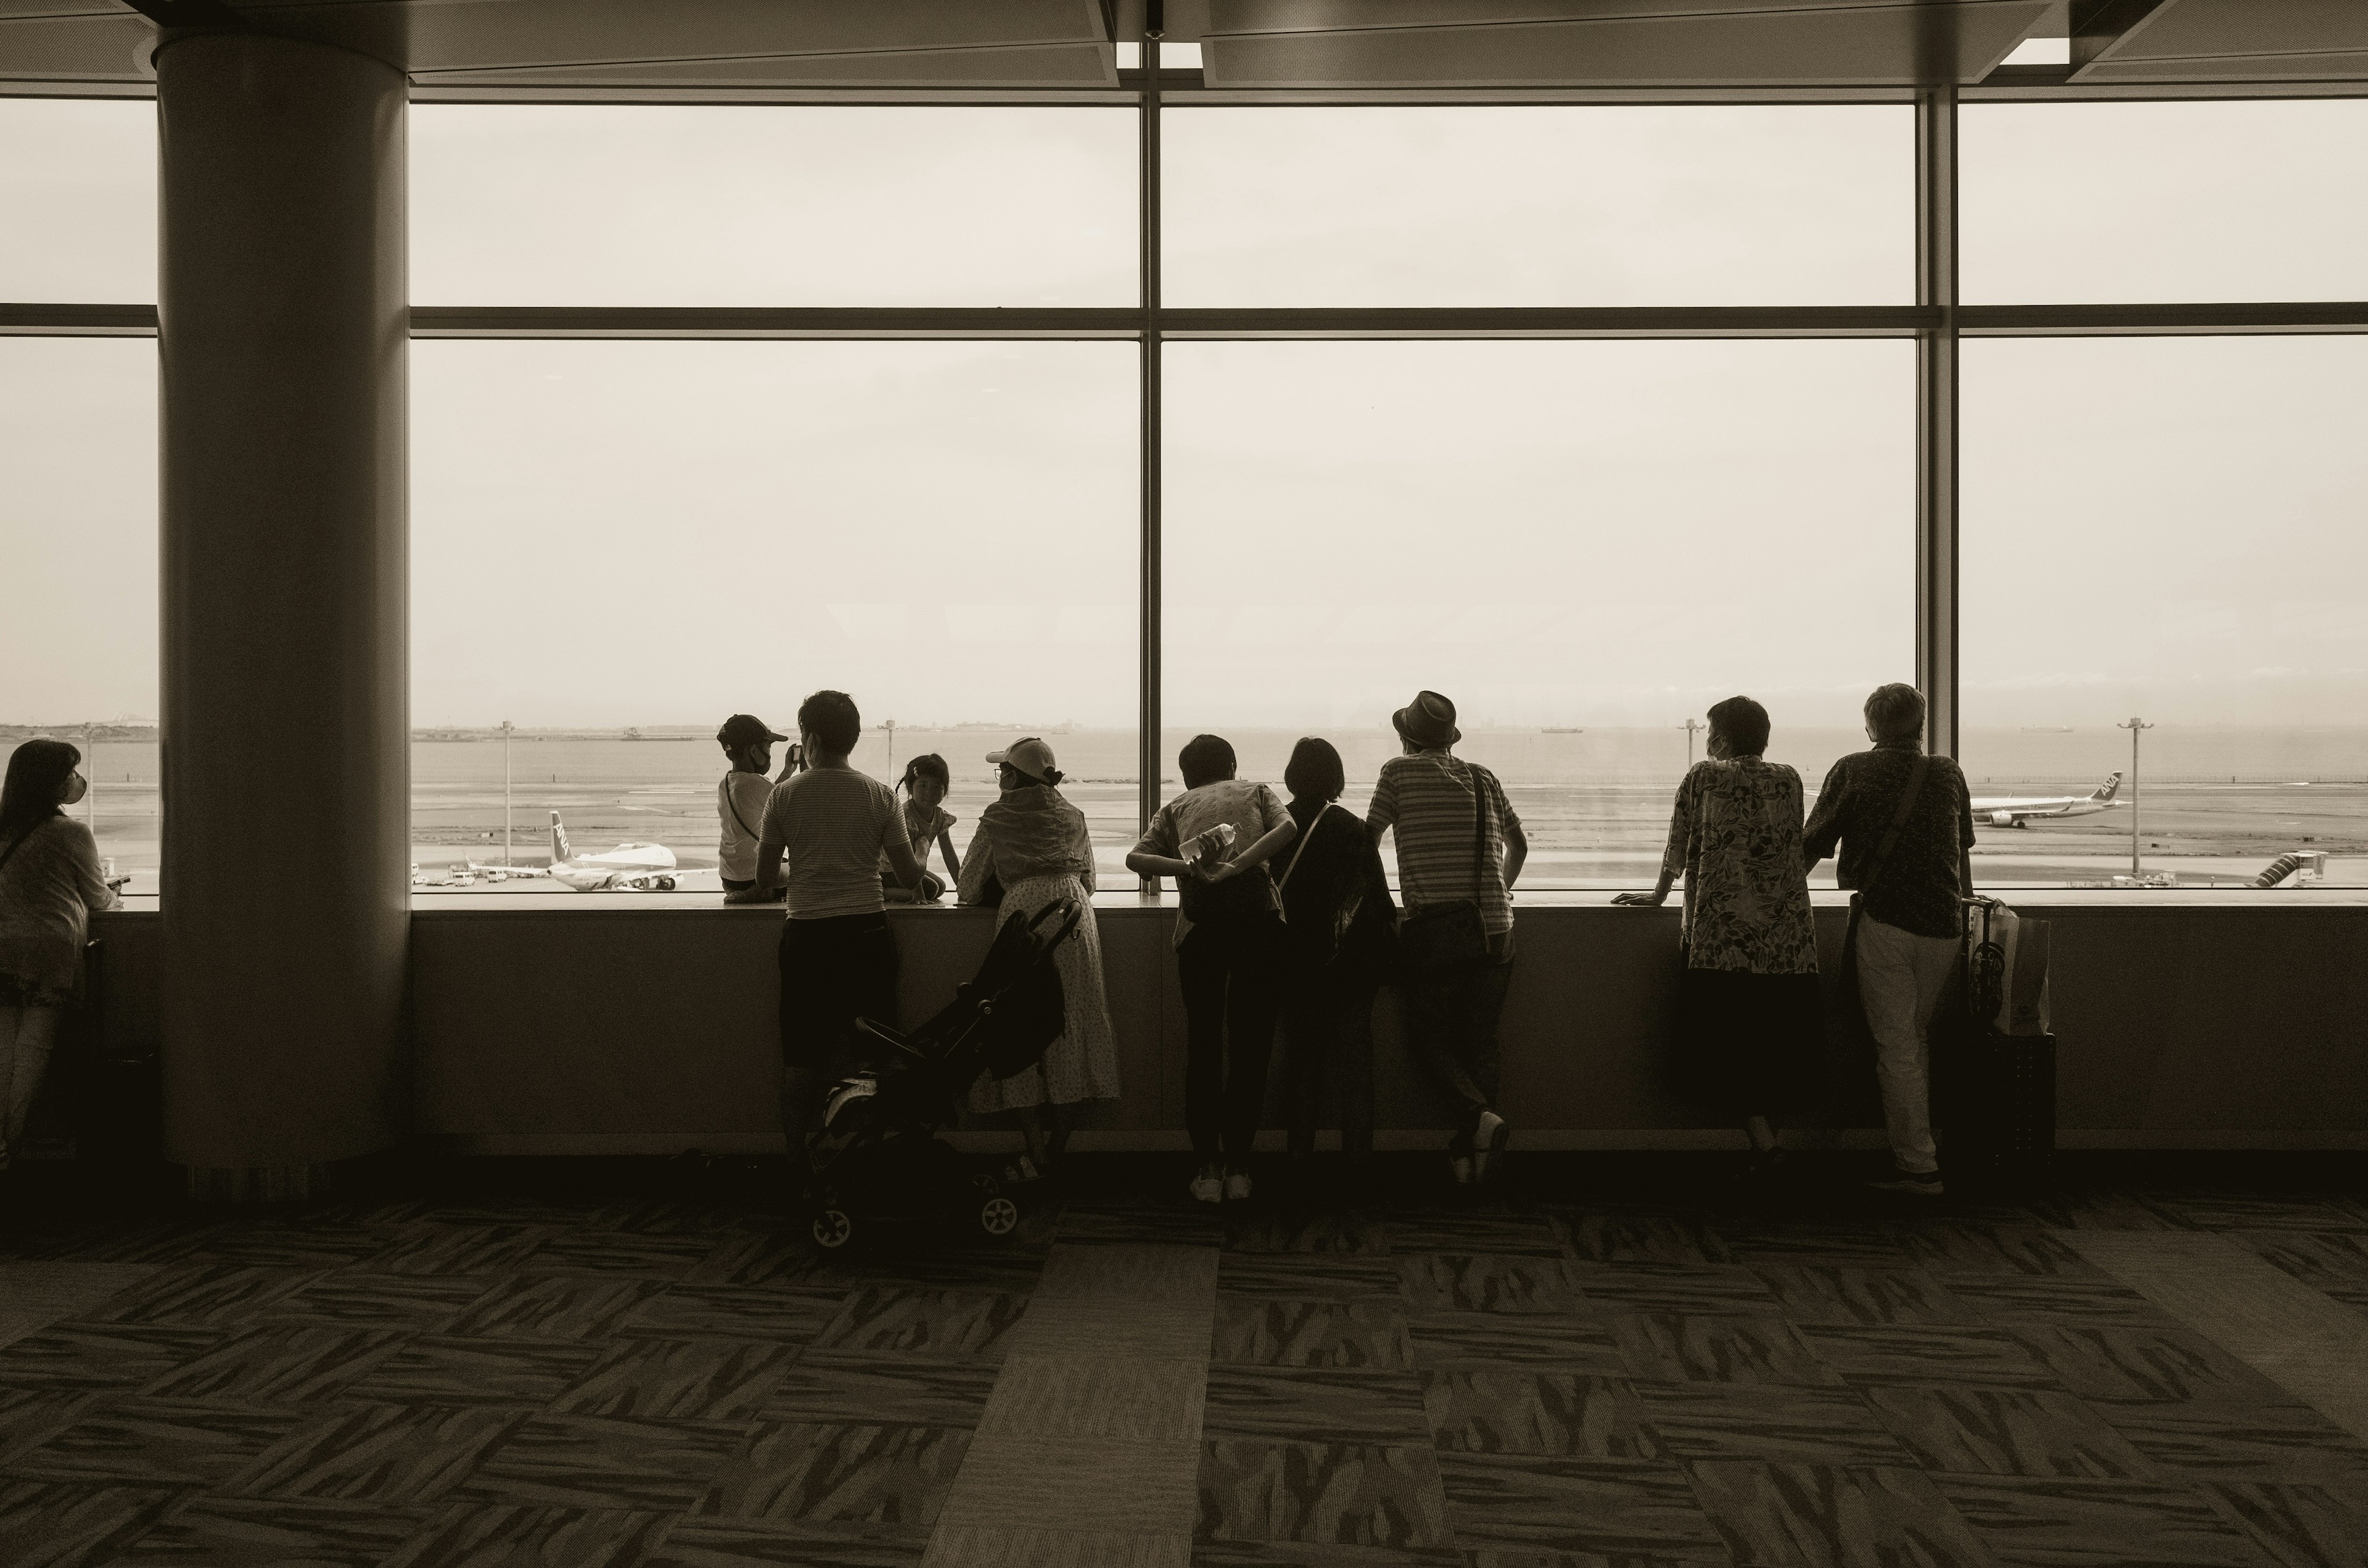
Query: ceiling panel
[[111, 47], [1351, 15], [2200, 28], [477, 34], [2340, 66], [1081, 65], [1812, 45]]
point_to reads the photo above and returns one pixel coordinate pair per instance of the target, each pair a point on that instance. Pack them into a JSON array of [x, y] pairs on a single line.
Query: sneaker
[[1237, 1187], [1924, 1184], [1209, 1187], [1489, 1133]]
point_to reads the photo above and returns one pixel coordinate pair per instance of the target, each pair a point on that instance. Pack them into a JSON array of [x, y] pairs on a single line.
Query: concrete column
[[284, 341]]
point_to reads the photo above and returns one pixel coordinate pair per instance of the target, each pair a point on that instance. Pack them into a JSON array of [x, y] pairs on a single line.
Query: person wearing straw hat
[[1031, 849], [1460, 849]]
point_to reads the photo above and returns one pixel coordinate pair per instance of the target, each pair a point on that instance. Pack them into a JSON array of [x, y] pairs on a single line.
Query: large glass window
[[1727, 205], [77, 202], [79, 515], [2195, 202], [615, 545], [557, 204], [2165, 529], [1584, 544]]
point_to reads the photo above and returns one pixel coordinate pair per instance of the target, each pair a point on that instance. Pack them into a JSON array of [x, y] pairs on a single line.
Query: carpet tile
[[823, 1385], [424, 1304], [1488, 1339], [1599, 1236], [450, 1370], [1132, 1398], [2106, 1363], [1776, 1515], [1486, 1282], [1844, 1293], [1521, 1410], [2216, 1442], [544, 1306], [1979, 1431], [1718, 1348], [1587, 1505], [1904, 1354], [1262, 1331], [787, 1313], [495, 1249], [483, 1536], [47, 1524], [1131, 1487], [1308, 1276], [907, 1320], [715, 1543], [1324, 1493], [201, 1294], [893, 1477], [242, 1532], [1319, 1404], [2065, 1524], [603, 1462], [378, 1453], [1675, 1288], [83, 1356], [281, 1363], [690, 1380], [1748, 1421], [1175, 1330], [2298, 1525], [159, 1442]]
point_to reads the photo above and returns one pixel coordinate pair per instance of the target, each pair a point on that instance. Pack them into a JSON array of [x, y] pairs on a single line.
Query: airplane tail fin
[[559, 850], [2111, 787]]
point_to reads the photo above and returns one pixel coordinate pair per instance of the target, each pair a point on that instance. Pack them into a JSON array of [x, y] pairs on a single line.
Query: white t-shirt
[[740, 803]]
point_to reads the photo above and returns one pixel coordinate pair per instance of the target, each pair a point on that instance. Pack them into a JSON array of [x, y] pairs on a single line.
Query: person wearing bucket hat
[[740, 797], [1031, 850], [1460, 849]]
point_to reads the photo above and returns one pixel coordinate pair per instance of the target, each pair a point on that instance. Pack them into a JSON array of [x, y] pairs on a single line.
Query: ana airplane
[[494, 872], [628, 868], [2018, 811]]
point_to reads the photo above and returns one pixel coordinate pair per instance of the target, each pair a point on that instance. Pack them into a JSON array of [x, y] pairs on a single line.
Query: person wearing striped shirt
[[1427, 797]]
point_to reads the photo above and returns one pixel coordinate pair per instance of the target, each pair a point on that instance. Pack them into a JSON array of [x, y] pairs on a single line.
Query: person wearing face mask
[[1749, 1017], [49, 882]]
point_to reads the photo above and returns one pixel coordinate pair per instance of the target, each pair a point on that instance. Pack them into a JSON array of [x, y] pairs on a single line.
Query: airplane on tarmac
[[2018, 811], [628, 868], [500, 873]]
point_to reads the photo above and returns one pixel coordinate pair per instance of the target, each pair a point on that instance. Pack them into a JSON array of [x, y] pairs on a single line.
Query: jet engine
[[2004, 819]]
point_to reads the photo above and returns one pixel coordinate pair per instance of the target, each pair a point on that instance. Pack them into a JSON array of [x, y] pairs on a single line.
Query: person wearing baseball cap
[[740, 798], [1031, 850]]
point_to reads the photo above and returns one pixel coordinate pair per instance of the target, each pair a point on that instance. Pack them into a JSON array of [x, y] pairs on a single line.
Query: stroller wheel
[[832, 1229], [999, 1216]]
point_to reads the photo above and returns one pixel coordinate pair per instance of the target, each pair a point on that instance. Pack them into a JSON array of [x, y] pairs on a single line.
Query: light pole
[[890, 765], [507, 728], [1689, 726], [90, 772], [2137, 726]]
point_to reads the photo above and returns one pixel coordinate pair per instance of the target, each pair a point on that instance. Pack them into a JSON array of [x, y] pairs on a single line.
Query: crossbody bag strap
[[733, 806], [1284, 881], [1907, 800], [1483, 782], [22, 839]]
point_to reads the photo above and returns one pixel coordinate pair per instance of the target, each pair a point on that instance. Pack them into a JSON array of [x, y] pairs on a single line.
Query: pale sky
[[1576, 532]]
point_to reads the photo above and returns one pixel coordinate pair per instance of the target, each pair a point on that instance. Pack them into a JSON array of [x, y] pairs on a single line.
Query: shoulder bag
[[1437, 939]]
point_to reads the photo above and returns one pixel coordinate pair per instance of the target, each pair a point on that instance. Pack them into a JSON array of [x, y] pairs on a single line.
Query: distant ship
[[635, 735]]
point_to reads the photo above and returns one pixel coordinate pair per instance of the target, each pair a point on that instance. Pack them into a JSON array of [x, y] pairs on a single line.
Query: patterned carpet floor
[[1618, 1362]]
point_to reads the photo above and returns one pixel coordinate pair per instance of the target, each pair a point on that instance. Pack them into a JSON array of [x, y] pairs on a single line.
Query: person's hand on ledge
[[1642, 900]]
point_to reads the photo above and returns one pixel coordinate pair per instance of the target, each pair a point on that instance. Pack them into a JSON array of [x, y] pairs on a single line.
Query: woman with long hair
[[1032, 849], [49, 882], [1749, 1020]]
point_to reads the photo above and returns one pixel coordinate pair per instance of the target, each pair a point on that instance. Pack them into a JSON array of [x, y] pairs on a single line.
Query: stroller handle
[[1068, 909]]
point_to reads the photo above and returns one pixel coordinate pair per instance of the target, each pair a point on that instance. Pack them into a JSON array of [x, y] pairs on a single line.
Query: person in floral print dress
[[1749, 1017]]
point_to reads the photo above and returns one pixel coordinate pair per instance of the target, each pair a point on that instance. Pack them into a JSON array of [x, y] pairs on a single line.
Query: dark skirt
[[1749, 1044]]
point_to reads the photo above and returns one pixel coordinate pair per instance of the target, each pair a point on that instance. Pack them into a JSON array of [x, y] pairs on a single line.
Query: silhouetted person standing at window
[[1336, 901], [50, 882], [1458, 842], [1749, 1015], [1217, 839], [827, 826], [1905, 822]]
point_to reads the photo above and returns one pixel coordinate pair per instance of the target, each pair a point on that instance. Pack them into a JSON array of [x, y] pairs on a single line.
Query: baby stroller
[[877, 1153]]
